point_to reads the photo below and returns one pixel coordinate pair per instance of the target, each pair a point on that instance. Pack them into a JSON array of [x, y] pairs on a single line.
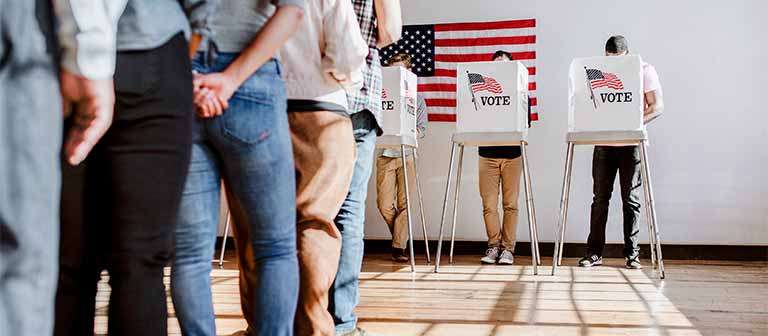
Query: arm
[[345, 49], [421, 117], [390, 21], [223, 84], [86, 32], [199, 14], [653, 107]]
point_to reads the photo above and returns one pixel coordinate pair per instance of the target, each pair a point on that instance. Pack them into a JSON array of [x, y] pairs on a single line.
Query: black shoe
[[591, 260], [634, 262], [398, 255]]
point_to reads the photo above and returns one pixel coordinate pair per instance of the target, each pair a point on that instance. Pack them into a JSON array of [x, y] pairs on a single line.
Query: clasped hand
[[212, 92]]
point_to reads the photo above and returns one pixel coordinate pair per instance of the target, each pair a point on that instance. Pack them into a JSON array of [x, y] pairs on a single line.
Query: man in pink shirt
[[624, 160]]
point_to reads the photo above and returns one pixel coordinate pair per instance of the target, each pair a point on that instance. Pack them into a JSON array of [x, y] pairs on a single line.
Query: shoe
[[399, 256], [507, 258], [491, 254], [591, 260], [356, 332], [634, 262]]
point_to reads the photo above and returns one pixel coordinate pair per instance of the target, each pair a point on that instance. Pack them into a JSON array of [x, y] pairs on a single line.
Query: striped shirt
[[368, 98]]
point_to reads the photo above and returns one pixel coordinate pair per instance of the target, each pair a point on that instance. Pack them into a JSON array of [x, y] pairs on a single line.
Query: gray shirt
[[148, 24], [421, 128], [237, 22]]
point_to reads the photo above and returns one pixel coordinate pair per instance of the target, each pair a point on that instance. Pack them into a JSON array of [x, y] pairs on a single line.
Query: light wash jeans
[[350, 221], [30, 180], [249, 146]]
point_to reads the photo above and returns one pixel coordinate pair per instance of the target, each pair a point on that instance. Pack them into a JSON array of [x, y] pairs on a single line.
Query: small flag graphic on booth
[[384, 94], [479, 83], [598, 79]]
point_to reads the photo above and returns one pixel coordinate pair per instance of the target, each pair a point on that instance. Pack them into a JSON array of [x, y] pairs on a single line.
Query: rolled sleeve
[[200, 13], [421, 117], [86, 32]]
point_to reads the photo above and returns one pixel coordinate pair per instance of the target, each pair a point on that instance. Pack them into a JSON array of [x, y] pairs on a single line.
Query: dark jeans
[[606, 162], [120, 209], [344, 294], [30, 141]]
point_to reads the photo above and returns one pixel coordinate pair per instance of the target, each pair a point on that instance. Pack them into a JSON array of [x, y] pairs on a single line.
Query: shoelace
[[492, 250]]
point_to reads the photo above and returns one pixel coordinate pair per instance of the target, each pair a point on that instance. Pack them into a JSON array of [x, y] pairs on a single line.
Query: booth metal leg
[[529, 207], [445, 208], [404, 159], [421, 204], [648, 216], [224, 240], [456, 202], [646, 171], [533, 208], [560, 235]]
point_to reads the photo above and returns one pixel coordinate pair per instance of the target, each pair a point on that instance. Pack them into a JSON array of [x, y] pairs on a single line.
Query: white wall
[[708, 151]]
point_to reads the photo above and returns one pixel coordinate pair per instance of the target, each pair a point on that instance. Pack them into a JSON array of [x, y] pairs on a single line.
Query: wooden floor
[[466, 299]]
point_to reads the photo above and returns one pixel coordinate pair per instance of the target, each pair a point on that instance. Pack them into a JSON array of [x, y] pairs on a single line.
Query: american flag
[[598, 79], [483, 83], [436, 48], [384, 94]]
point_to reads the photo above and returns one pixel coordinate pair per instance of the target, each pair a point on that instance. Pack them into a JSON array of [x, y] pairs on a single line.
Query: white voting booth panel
[[606, 94], [491, 97], [398, 102]]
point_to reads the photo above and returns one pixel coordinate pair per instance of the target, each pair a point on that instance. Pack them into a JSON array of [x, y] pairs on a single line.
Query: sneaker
[[591, 260], [356, 332], [506, 258], [491, 254], [399, 256], [634, 263]]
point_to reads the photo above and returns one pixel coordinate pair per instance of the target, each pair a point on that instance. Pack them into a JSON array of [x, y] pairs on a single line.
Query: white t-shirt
[[650, 83]]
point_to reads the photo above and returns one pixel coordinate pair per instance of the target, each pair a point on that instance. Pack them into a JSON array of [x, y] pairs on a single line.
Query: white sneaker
[[491, 254], [507, 258]]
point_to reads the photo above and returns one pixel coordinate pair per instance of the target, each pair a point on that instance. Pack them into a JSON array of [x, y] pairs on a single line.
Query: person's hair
[[401, 57], [616, 45], [500, 53]]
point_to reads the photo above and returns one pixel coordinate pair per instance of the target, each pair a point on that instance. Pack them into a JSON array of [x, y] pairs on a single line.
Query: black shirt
[[499, 152]]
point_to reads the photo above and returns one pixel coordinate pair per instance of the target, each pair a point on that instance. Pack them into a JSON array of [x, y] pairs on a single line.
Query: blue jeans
[[344, 295], [30, 141], [249, 146]]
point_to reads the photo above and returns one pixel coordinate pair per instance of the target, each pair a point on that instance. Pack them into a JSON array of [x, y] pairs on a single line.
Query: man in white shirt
[[31, 88], [607, 161]]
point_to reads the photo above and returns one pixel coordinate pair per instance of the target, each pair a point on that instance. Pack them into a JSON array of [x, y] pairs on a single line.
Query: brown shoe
[[399, 256]]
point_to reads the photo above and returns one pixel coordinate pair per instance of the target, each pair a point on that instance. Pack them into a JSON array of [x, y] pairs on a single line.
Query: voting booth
[[492, 109], [398, 107], [605, 107]]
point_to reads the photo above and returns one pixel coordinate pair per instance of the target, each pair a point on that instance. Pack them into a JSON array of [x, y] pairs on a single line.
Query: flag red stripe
[[439, 87], [525, 55], [529, 23], [440, 102], [452, 72], [534, 116], [441, 117], [485, 41]]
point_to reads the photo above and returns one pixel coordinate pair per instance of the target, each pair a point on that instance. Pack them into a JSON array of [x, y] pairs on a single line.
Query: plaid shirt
[[369, 96]]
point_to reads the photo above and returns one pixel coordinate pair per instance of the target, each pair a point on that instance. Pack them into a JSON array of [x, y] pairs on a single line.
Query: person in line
[[127, 193], [35, 82], [608, 160], [380, 25], [323, 61], [241, 135], [500, 165], [390, 187]]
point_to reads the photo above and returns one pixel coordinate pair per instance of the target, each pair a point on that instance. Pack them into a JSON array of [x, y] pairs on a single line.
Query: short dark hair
[[401, 57], [616, 44], [502, 53]]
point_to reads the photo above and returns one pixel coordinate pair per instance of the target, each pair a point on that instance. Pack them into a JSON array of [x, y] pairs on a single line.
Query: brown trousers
[[504, 172], [324, 151], [390, 192]]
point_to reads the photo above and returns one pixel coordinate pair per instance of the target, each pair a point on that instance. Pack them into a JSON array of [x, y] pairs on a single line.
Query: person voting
[[390, 187], [610, 160]]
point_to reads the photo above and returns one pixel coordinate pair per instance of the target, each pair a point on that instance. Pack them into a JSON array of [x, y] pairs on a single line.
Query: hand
[[94, 107], [212, 93]]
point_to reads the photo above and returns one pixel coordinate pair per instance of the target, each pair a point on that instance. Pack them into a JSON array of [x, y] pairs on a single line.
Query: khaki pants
[[390, 191], [507, 173], [325, 153]]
